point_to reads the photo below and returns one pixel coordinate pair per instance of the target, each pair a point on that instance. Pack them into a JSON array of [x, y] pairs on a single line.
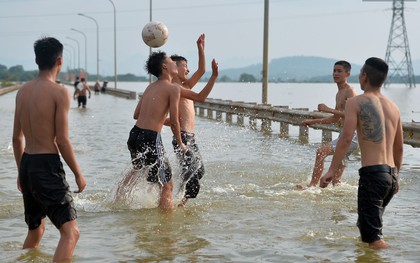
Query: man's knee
[[321, 153], [324, 151], [70, 230]]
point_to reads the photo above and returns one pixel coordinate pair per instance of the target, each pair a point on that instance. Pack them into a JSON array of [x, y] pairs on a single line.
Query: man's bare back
[[377, 127], [36, 103]]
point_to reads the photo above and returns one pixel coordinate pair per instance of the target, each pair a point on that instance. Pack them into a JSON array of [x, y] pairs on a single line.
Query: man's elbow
[[346, 141], [62, 142], [197, 97], [16, 141], [200, 99], [201, 71], [398, 151], [174, 124]]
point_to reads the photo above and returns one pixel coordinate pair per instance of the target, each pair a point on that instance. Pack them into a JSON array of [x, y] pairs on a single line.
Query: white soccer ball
[[155, 34]]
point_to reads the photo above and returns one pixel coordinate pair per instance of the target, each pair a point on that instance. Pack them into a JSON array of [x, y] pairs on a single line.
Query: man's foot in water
[[183, 202]]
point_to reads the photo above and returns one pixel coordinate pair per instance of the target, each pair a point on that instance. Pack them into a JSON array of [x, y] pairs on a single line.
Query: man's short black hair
[[47, 51], [376, 70], [178, 58], [154, 63], [346, 65]]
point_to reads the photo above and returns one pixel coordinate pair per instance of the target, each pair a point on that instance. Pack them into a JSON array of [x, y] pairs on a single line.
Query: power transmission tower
[[398, 54]]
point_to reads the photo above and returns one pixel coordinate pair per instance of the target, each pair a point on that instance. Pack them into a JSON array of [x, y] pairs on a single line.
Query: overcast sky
[[340, 29]]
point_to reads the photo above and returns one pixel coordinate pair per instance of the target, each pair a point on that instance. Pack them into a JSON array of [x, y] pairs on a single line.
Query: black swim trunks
[[191, 164], [81, 101], [45, 190], [146, 150], [377, 186]]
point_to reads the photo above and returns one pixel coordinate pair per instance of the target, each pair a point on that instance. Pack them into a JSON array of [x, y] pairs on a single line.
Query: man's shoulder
[[186, 84], [57, 91], [161, 89]]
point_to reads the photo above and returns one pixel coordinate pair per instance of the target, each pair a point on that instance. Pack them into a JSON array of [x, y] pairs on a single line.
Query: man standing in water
[[377, 121], [144, 142], [340, 74], [82, 89], [191, 163], [41, 120]]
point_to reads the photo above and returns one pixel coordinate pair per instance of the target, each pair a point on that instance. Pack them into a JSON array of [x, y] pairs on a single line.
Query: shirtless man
[[379, 129], [81, 90], [191, 164], [41, 120], [345, 91], [144, 142]]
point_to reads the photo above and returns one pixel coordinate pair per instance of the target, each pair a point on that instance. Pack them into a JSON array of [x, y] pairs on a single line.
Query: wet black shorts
[[81, 101], [377, 186], [146, 150], [45, 190], [191, 164]]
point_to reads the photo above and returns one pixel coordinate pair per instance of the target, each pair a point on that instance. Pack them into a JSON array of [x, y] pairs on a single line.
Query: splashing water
[[133, 191]]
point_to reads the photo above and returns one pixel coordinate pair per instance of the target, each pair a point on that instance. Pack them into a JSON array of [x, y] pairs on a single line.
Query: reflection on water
[[247, 210]]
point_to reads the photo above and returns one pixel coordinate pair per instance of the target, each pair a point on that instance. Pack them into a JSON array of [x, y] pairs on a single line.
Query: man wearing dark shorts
[[379, 130], [191, 161], [40, 134], [191, 164], [147, 150], [377, 186], [159, 98], [45, 190]]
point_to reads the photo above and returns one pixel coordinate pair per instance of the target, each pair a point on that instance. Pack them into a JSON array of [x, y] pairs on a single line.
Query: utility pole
[[265, 55]]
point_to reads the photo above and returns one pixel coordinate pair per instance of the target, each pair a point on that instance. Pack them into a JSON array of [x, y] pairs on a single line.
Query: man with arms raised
[[191, 162], [377, 121], [144, 142], [41, 120]]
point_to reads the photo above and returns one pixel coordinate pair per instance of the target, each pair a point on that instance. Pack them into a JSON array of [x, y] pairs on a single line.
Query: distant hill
[[296, 68]]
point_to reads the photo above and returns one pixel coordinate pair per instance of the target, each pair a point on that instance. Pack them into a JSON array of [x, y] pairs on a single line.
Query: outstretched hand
[[214, 68], [201, 41]]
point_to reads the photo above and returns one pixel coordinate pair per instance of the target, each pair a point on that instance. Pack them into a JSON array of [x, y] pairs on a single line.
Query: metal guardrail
[[128, 94], [9, 89], [217, 109]]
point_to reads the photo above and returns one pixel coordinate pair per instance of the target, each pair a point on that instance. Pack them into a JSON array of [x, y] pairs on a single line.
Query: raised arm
[[202, 96], [201, 63]]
